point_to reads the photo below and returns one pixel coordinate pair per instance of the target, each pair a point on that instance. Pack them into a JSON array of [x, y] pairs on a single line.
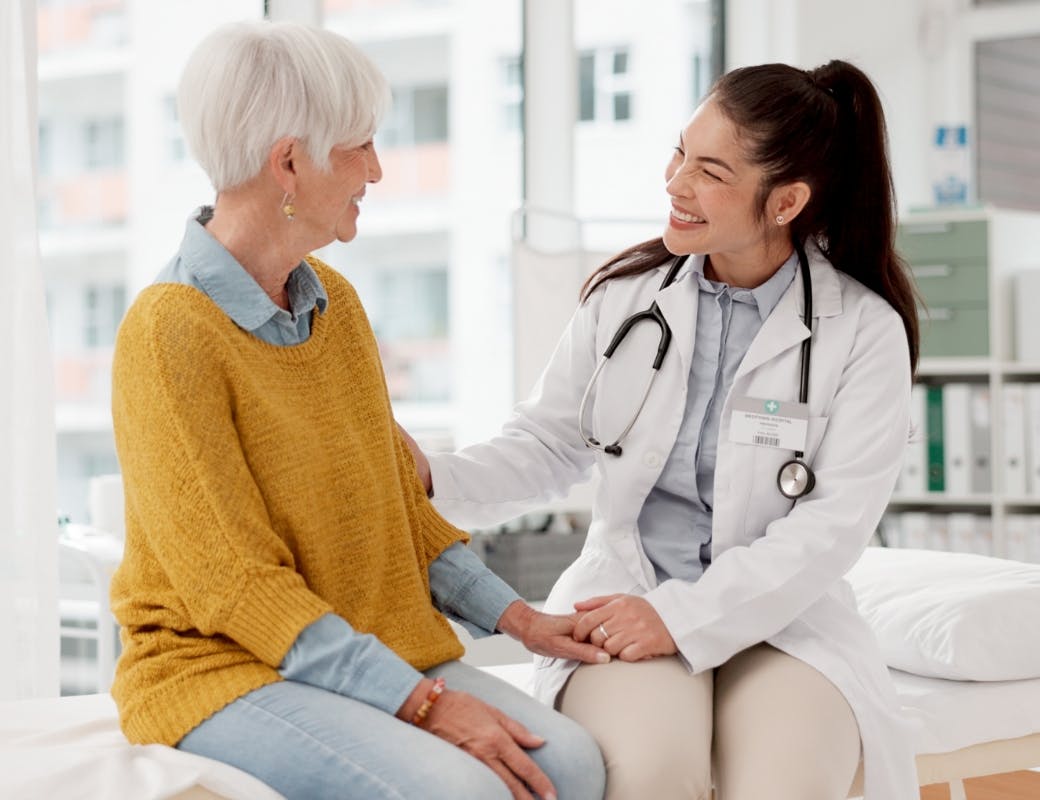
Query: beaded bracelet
[[427, 704]]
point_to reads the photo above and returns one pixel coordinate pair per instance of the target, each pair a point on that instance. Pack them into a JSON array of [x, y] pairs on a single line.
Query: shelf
[[939, 500], [1023, 502], [934, 499], [954, 367], [1020, 370]]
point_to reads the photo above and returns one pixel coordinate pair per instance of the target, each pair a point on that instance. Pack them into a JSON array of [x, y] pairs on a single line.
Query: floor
[[1024, 785]]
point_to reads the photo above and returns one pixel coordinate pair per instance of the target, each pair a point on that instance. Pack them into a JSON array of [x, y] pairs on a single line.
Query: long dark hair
[[825, 127]]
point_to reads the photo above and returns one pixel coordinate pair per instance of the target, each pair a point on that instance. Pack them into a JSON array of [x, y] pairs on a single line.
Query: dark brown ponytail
[[825, 127]]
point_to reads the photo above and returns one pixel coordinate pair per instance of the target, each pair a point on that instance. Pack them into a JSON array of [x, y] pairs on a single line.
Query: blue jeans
[[309, 743]]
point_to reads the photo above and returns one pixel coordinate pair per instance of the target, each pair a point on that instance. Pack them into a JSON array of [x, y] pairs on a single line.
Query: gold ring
[[604, 632]]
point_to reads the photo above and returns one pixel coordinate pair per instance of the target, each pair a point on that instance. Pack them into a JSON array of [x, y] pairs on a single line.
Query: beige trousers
[[763, 726]]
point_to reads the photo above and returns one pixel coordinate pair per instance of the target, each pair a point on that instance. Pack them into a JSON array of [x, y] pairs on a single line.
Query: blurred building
[[432, 261]]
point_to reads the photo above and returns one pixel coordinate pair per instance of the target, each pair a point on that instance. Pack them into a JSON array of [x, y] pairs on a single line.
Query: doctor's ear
[[787, 201]]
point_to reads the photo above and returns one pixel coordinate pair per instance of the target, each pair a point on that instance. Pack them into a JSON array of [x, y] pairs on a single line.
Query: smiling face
[[715, 205], [327, 200]]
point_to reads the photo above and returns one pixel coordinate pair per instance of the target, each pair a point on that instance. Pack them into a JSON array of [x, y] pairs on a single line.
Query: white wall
[[918, 52], [880, 37]]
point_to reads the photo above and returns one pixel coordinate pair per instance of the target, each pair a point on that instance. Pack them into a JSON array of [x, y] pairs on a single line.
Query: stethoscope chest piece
[[795, 479]]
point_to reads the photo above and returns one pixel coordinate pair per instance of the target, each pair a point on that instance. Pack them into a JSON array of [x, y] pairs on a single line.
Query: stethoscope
[[795, 478]]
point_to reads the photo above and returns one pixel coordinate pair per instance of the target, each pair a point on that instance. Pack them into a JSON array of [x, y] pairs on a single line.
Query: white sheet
[[71, 748], [948, 715]]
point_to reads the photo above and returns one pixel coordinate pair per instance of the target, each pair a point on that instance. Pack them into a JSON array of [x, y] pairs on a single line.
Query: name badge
[[769, 423]]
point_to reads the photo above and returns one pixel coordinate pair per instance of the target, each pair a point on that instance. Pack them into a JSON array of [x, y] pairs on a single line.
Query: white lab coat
[[777, 565]]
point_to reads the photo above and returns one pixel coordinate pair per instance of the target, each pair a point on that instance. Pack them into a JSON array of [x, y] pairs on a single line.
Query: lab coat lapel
[[678, 304], [782, 329], [634, 475]]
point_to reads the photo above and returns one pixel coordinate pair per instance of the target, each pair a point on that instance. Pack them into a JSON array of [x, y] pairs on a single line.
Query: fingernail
[[603, 658], [550, 797]]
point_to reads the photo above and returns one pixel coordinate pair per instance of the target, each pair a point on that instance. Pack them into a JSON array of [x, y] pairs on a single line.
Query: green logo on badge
[[772, 406]]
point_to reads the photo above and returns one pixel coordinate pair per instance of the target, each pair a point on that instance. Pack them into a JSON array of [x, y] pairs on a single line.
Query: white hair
[[248, 84]]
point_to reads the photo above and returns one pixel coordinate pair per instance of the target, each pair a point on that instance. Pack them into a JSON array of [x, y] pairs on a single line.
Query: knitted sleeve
[[436, 532], [198, 518]]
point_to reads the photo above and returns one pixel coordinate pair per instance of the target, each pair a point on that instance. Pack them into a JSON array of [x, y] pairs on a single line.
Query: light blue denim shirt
[[675, 521], [203, 262], [329, 653]]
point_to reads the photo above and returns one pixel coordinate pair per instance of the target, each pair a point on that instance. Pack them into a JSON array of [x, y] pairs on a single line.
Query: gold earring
[[287, 206], [779, 219]]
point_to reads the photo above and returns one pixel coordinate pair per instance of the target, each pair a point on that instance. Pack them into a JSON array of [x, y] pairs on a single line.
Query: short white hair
[[248, 84]]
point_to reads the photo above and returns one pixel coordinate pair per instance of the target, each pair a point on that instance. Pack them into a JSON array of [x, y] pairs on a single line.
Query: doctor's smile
[[680, 217]]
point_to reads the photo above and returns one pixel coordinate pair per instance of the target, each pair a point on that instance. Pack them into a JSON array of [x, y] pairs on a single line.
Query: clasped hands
[[620, 626]]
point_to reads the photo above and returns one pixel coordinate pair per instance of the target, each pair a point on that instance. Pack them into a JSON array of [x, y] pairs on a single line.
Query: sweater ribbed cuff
[[438, 534], [272, 611]]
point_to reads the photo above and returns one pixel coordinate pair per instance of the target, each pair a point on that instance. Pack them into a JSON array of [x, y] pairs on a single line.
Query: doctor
[[740, 660]]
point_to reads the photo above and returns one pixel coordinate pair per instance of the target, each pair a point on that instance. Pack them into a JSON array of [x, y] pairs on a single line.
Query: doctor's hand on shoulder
[[422, 464], [624, 625], [549, 634]]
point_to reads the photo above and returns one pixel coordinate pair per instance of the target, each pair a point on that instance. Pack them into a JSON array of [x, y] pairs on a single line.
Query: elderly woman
[[285, 584]]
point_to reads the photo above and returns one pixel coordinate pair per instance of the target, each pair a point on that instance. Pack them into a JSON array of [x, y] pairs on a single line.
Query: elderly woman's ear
[[281, 162]]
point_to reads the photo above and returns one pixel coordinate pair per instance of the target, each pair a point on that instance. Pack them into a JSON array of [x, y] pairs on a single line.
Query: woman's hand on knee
[[625, 625], [494, 738]]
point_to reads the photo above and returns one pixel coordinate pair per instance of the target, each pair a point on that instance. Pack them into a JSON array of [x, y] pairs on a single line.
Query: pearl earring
[[287, 206], [779, 219]]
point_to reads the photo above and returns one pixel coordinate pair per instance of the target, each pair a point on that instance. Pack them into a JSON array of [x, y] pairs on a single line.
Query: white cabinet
[[965, 263]]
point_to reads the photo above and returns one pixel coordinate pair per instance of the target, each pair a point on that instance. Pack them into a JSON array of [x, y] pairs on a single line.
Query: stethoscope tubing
[[795, 478]]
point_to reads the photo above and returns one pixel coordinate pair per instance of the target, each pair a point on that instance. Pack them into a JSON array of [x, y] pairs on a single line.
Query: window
[[419, 115], [176, 147], [46, 147], [410, 318], [1007, 92], [430, 114], [103, 143], [511, 70], [103, 310], [604, 85]]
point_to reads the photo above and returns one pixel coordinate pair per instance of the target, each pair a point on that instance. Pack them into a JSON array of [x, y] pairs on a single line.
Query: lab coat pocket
[[769, 460], [768, 503]]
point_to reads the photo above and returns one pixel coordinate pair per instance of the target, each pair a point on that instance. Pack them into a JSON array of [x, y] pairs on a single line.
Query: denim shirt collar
[[233, 289], [764, 296]]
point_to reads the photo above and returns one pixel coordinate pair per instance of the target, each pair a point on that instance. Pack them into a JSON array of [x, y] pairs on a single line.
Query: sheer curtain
[[28, 523]]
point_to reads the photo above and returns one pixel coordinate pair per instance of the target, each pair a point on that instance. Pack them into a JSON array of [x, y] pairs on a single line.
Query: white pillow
[[951, 615]]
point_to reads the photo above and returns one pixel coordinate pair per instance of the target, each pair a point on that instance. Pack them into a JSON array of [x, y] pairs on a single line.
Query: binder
[[1033, 541], [1014, 420], [981, 440], [938, 531], [963, 527], [1016, 533], [956, 438], [1032, 448], [914, 530], [936, 477], [913, 478], [889, 532], [983, 535]]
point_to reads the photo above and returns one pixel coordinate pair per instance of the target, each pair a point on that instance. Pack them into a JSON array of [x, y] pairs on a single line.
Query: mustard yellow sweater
[[265, 486]]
